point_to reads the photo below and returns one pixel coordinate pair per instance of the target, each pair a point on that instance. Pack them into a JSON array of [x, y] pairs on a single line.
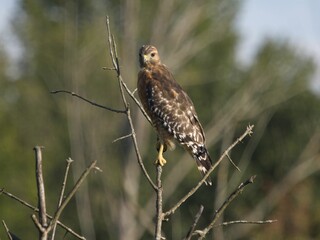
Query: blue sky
[[297, 21], [6, 37]]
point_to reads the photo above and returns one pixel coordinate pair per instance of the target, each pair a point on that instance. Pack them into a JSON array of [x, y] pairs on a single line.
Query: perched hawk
[[170, 109]]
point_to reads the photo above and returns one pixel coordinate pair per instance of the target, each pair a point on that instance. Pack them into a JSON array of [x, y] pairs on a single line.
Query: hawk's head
[[148, 55]]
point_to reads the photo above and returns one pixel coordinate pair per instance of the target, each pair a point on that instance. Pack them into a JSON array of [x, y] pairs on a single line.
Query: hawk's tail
[[203, 160]]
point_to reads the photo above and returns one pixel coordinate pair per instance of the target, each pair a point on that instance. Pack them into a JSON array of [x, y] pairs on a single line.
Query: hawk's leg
[[160, 160]]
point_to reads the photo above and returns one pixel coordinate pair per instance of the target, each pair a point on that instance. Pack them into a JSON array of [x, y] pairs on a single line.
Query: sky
[[297, 21]]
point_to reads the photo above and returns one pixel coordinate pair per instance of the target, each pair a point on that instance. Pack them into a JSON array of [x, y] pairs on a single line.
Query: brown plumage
[[171, 110]]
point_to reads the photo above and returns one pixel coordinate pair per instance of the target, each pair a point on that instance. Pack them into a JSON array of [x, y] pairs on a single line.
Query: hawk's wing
[[172, 113], [172, 108]]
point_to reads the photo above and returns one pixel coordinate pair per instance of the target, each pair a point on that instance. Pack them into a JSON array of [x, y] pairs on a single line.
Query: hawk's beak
[[143, 59]]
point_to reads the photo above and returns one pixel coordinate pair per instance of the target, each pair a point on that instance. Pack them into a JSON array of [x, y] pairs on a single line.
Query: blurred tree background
[[65, 47]]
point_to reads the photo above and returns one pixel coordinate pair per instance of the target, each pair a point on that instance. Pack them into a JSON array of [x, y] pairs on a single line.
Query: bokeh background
[[240, 61]]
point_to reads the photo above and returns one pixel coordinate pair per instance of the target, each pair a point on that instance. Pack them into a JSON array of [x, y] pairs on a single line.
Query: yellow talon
[[160, 160]]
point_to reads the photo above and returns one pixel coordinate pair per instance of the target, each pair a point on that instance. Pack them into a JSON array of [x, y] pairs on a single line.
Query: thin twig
[[134, 91], [115, 62], [230, 160], [112, 57], [159, 214], [193, 190], [7, 230], [193, 226], [123, 137], [107, 68], [35, 209], [39, 226], [245, 222], [88, 101], [131, 94], [63, 187], [71, 194], [225, 204]]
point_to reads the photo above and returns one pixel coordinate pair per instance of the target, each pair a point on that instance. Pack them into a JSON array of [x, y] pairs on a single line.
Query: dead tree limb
[[248, 132], [42, 223], [71, 194], [225, 204], [159, 214], [63, 187], [194, 224], [115, 62], [7, 230], [35, 209]]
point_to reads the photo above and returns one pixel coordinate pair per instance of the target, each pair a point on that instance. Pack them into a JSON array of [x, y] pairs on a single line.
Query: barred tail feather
[[203, 161], [204, 164], [201, 155]]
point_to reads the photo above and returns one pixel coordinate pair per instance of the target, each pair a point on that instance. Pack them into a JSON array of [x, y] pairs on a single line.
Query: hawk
[[171, 110]]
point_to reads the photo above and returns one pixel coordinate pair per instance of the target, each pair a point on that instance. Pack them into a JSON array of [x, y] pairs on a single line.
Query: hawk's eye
[[153, 54]]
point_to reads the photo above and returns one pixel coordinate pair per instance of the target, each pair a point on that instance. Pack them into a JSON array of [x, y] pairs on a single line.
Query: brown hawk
[[171, 110]]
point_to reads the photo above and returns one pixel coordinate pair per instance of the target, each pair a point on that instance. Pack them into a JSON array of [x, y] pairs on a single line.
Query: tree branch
[[115, 62], [245, 222], [35, 209], [88, 101], [193, 190], [43, 235], [69, 161], [121, 138], [226, 203], [7, 230], [193, 226], [131, 94], [71, 194], [159, 215]]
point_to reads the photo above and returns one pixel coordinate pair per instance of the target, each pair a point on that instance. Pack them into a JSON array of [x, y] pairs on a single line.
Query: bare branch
[[110, 69], [12, 196], [308, 163], [159, 215], [193, 190], [233, 162], [245, 222], [131, 94], [88, 101], [193, 226], [7, 230], [69, 161], [115, 62], [121, 138], [42, 223], [70, 195], [39, 226], [116, 66], [226, 203]]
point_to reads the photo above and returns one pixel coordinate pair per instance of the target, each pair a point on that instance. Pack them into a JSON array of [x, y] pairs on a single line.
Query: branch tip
[[69, 160], [249, 129], [98, 169], [252, 178]]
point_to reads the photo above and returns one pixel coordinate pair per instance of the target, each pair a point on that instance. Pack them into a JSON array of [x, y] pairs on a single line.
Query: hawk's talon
[[160, 160]]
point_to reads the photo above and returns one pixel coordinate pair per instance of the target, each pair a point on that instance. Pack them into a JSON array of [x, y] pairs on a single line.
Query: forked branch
[[248, 132], [35, 209], [225, 204], [116, 66], [42, 224]]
